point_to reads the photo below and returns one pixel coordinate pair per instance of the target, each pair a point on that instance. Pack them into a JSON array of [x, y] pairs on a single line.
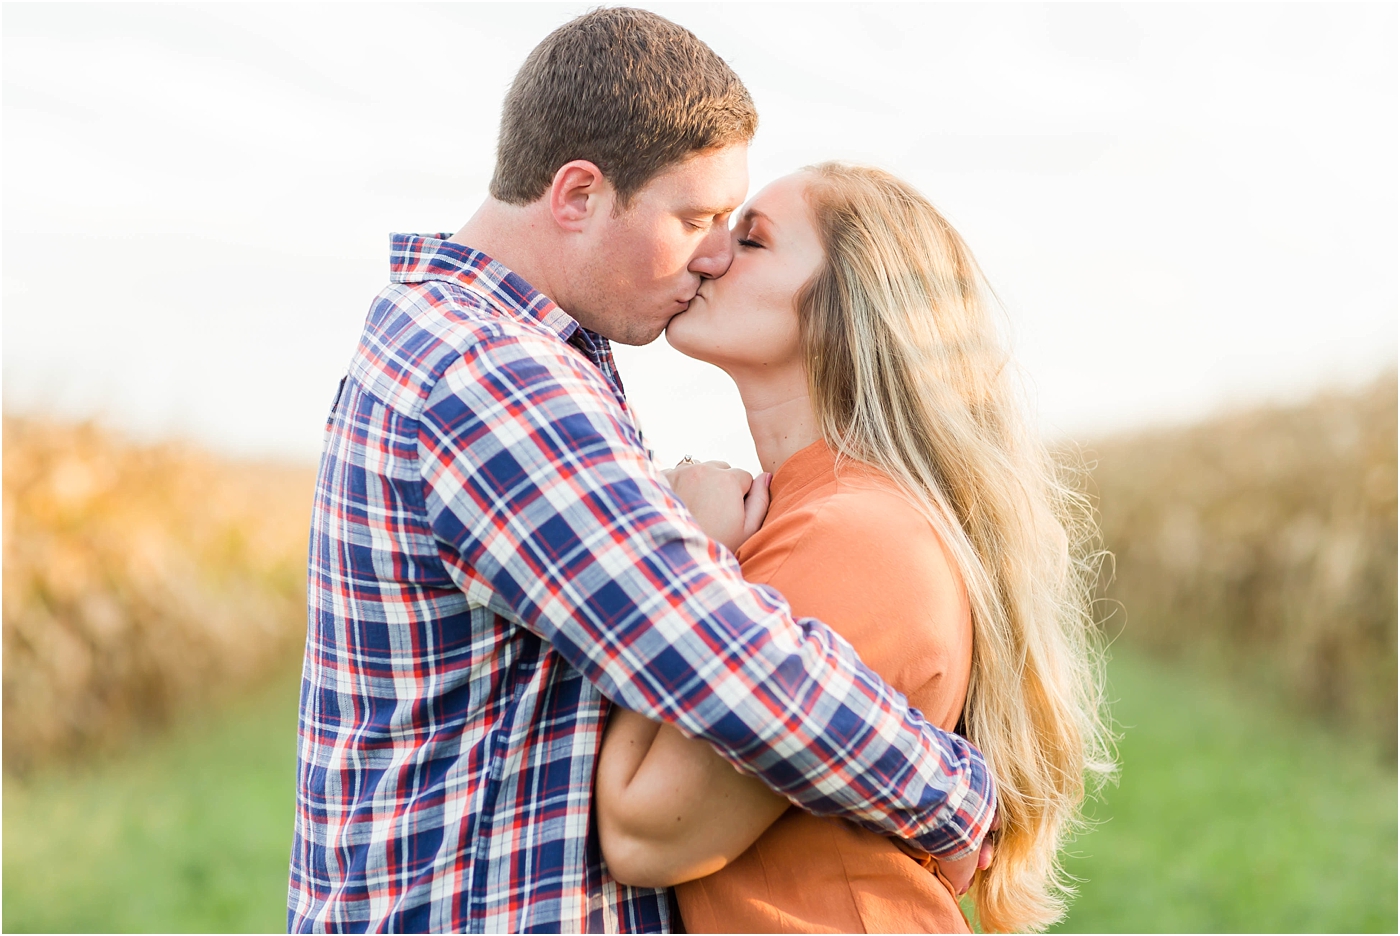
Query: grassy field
[[1228, 818], [1232, 817], [189, 832]]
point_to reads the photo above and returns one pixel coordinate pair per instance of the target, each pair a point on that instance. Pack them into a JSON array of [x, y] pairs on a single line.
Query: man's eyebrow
[[713, 211]]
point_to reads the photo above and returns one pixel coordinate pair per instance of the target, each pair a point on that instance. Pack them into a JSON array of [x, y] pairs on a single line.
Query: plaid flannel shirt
[[494, 557]]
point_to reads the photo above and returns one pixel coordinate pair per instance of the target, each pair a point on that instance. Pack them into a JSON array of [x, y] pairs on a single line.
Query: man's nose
[[715, 253]]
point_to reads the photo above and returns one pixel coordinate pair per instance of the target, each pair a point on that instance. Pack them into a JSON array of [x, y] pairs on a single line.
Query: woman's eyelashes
[[749, 242]]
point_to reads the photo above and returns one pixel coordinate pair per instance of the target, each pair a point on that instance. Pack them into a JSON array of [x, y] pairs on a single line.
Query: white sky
[[1182, 207]]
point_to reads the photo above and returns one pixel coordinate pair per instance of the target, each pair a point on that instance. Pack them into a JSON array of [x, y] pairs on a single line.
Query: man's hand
[[728, 503], [959, 873]]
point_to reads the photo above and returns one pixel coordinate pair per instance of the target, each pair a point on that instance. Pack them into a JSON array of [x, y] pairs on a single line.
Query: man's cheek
[[667, 265], [673, 253]]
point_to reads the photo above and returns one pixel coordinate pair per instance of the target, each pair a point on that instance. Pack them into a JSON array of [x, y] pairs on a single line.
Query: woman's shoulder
[[865, 511], [862, 490], [863, 557], [860, 511]]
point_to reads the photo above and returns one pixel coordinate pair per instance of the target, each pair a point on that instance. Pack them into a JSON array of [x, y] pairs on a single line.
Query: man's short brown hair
[[623, 88]]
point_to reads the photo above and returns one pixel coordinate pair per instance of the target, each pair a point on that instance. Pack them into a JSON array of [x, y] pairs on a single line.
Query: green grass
[[186, 833], [1231, 817], [1228, 817]]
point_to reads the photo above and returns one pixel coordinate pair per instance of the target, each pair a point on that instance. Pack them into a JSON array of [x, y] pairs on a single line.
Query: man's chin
[[637, 334], [637, 331]]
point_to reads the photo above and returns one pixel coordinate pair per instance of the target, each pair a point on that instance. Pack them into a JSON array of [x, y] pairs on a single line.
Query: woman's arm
[[669, 808]]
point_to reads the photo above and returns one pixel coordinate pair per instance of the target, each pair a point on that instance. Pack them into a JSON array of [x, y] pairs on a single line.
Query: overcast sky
[[1183, 208]]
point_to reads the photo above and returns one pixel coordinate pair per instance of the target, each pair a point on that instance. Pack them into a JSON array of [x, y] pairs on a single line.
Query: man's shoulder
[[416, 331]]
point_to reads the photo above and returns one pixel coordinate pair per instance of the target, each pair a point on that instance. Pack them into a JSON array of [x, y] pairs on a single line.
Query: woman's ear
[[578, 194]]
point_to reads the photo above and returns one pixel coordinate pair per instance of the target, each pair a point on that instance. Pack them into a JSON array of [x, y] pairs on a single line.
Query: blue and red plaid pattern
[[493, 557]]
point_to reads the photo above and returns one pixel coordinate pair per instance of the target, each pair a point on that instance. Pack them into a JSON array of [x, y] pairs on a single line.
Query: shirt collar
[[420, 258]]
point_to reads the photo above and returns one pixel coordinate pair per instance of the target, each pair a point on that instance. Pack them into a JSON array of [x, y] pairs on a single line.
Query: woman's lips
[[699, 293]]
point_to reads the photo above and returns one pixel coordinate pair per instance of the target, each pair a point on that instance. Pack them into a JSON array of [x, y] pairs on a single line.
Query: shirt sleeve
[[548, 510]]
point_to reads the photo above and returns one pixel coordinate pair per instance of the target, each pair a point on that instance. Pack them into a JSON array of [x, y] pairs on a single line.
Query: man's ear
[[579, 193]]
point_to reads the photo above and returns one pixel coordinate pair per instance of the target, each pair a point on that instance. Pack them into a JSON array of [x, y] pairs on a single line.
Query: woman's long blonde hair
[[907, 372]]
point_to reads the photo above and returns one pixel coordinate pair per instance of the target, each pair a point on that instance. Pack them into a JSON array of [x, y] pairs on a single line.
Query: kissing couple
[[551, 687]]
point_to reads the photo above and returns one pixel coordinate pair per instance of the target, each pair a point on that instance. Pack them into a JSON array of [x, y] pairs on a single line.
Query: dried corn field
[[139, 580], [1264, 543]]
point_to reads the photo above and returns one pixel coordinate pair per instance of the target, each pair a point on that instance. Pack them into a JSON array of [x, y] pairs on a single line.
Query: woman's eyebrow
[[749, 215]]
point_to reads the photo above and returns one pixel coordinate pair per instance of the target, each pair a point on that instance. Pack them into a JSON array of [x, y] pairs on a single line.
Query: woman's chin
[[678, 336], [696, 335]]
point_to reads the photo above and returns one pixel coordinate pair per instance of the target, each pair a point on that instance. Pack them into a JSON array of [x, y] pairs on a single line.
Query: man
[[494, 556]]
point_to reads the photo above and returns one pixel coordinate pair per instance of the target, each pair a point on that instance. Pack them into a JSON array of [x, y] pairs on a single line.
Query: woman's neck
[[781, 419]]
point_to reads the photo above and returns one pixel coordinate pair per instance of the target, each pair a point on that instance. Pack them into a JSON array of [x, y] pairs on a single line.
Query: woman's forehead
[[780, 202]]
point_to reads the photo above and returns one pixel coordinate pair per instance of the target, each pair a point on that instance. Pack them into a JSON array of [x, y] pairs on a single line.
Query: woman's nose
[[715, 254]]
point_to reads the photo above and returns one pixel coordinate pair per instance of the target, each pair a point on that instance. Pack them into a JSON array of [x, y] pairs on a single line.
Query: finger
[[959, 873], [669, 474], [756, 504]]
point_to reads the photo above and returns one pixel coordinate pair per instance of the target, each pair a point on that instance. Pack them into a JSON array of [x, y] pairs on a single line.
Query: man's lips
[[683, 303]]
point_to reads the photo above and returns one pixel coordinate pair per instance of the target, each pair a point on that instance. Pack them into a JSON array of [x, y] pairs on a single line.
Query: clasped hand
[[728, 503], [960, 873]]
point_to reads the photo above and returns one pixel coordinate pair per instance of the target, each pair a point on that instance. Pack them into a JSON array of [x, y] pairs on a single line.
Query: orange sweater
[[852, 551]]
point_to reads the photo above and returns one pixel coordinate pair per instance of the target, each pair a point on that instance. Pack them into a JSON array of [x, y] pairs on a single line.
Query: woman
[[914, 511]]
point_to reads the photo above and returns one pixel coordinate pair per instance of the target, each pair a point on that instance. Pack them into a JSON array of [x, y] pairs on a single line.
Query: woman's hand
[[728, 503], [959, 873]]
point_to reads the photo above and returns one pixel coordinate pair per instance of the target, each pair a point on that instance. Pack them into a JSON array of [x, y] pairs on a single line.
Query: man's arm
[[669, 808], [548, 507]]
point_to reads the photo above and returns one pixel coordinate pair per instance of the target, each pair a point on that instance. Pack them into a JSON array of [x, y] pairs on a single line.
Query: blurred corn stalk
[[138, 580], [1266, 541]]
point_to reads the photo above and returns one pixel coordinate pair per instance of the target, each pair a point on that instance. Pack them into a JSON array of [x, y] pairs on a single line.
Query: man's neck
[[780, 415], [513, 236]]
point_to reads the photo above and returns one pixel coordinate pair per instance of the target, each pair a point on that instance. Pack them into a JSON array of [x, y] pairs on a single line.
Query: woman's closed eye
[[749, 242]]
